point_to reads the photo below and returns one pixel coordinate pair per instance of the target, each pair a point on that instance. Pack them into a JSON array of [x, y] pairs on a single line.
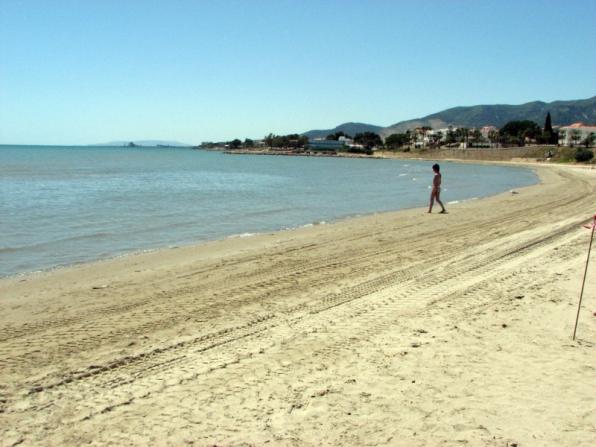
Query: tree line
[[293, 141], [513, 133]]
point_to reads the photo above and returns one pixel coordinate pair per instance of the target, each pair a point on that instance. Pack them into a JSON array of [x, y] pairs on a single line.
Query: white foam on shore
[[315, 223], [453, 202], [241, 235]]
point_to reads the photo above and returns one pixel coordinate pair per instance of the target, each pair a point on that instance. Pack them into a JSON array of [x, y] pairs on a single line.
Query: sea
[[64, 205]]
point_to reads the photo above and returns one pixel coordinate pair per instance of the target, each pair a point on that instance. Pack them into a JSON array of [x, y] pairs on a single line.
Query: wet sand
[[401, 328]]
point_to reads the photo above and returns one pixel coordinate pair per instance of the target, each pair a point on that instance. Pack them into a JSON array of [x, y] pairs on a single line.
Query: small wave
[[453, 202], [308, 225], [241, 235]]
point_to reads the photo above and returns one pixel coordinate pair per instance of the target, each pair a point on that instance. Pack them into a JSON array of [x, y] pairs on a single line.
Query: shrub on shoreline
[[583, 155]]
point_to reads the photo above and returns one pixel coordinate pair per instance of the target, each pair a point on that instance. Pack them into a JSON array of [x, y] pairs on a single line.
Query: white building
[[486, 131], [575, 134]]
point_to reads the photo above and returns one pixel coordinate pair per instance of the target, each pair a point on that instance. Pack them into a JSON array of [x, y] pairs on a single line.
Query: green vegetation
[[346, 128], [560, 154], [549, 136], [515, 133], [209, 145], [589, 140], [576, 135], [335, 136], [518, 132], [291, 141], [368, 140], [235, 144], [582, 155], [397, 140], [562, 112]]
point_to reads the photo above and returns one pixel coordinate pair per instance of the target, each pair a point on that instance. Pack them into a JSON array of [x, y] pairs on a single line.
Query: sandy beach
[[400, 329]]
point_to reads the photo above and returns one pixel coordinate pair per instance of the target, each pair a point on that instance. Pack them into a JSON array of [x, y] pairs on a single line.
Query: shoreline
[[432, 328], [515, 154], [198, 243]]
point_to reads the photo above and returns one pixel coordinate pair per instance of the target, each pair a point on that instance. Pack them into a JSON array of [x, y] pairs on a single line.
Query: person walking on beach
[[436, 190]]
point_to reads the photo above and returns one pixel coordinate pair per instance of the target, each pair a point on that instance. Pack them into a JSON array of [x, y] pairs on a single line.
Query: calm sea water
[[66, 205]]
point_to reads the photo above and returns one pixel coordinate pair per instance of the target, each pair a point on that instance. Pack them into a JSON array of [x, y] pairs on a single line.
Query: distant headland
[[143, 143]]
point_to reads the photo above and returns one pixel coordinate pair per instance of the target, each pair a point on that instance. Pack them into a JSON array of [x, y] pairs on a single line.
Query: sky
[[84, 72]]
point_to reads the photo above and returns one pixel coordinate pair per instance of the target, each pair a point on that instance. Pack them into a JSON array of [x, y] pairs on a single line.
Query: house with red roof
[[576, 134]]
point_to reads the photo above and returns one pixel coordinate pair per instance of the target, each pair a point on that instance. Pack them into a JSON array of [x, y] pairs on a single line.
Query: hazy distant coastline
[[143, 143]]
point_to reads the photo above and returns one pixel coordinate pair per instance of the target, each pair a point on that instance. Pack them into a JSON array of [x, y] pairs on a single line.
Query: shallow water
[[66, 205]]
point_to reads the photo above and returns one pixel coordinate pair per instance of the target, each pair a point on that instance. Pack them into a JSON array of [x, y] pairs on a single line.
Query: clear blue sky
[[78, 72]]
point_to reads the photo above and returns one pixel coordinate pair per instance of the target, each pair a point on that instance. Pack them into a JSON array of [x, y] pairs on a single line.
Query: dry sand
[[402, 329]]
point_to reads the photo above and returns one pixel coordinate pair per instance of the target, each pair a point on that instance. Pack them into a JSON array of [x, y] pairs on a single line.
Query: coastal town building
[[575, 134], [488, 130], [444, 131], [341, 144], [425, 136], [320, 144]]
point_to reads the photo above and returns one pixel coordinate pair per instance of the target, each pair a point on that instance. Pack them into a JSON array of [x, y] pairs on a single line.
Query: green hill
[[562, 113], [347, 128]]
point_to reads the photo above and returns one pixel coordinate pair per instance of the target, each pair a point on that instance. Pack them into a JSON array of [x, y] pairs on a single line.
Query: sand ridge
[[393, 329]]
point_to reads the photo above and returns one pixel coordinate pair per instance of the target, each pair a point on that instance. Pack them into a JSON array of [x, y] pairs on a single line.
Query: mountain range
[[562, 113]]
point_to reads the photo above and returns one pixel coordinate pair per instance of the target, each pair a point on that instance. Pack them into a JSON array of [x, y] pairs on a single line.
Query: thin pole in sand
[[581, 294]]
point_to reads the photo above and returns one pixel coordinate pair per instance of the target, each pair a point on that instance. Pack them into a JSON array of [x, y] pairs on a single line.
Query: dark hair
[[436, 167]]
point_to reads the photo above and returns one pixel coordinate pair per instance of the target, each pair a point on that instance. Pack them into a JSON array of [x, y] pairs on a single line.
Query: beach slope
[[402, 328]]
